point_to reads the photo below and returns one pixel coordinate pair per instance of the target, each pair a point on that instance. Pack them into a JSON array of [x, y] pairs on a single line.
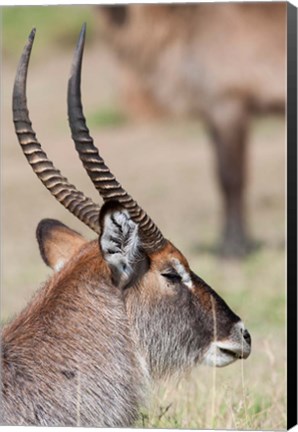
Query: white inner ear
[[59, 265], [120, 243]]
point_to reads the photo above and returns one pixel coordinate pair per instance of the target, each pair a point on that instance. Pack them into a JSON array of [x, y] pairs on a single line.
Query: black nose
[[247, 337]]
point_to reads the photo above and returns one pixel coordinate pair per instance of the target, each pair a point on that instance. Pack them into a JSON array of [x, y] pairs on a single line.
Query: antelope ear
[[57, 243], [120, 245]]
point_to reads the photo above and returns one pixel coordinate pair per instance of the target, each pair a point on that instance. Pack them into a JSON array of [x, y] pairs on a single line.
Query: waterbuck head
[[176, 318]]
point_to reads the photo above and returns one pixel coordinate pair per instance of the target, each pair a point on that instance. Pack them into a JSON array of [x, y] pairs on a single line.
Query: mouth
[[228, 352], [221, 354]]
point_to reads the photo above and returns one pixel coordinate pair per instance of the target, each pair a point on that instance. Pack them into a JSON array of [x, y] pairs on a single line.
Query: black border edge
[[291, 215]]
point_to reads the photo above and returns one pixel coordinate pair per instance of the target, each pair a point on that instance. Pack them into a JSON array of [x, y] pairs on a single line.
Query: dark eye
[[172, 277]]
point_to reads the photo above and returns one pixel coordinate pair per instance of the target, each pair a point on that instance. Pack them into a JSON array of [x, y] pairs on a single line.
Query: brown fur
[[57, 243], [115, 314], [52, 352], [83, 350]]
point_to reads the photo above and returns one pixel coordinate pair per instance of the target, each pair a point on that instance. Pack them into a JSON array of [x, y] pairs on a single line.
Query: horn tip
[[32, 34], [83, 30]]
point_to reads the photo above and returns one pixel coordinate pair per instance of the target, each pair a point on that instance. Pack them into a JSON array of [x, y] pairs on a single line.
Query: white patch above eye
[[185, 276]]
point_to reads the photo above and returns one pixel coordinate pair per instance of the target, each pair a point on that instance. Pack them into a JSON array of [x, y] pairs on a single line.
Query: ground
[[168, 167]]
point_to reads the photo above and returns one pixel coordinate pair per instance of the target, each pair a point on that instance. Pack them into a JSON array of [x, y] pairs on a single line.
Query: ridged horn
[[67, 194], [101, 176]]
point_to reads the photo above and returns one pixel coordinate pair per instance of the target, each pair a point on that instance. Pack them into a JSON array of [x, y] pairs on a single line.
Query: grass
[[249, 394], [237, 404], [169, 170], [246, 395], [106, 117], [56, 25]]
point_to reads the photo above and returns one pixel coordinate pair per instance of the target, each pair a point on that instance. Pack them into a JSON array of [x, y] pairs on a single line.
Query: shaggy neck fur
[[71, 355]]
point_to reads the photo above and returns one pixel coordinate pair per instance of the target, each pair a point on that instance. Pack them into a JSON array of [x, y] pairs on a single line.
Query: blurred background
[[156, 81]]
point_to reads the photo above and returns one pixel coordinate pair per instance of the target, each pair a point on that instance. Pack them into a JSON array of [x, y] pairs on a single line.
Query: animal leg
[[229, 131]]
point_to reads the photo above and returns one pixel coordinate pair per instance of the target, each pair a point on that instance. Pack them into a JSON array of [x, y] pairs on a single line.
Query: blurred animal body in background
[[223, 62]]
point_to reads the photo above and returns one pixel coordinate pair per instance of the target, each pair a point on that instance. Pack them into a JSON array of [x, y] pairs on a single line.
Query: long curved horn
[[67, 194], [101, 176]]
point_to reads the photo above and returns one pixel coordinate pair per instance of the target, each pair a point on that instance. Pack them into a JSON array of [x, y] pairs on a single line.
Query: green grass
[[56, 25], [106, 117], [244, 395], [237, 403], [248, 394]]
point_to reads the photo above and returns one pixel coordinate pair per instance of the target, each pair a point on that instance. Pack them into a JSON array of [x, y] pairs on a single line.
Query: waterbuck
[[118, 312], [223, 62]]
